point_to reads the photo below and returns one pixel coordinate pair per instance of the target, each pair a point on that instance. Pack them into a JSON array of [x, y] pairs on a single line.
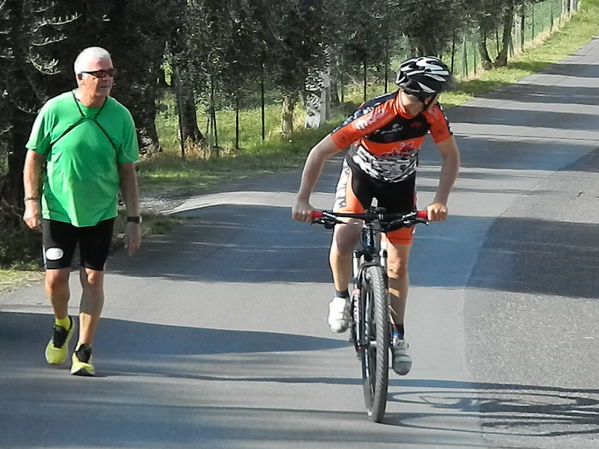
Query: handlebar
[[318, 214], [388, 221]]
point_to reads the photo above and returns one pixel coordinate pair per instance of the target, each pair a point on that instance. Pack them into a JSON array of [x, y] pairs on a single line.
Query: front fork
[[356, 333], [358, 300]]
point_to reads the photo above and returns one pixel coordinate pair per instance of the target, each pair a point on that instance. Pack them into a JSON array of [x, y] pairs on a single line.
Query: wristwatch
[[136, 219]]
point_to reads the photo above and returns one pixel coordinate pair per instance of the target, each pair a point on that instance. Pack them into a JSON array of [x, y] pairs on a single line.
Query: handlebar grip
[[316, 214], [422, 214]]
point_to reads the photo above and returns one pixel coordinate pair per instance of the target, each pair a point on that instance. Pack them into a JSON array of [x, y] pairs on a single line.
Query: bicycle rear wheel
[[375, 356]]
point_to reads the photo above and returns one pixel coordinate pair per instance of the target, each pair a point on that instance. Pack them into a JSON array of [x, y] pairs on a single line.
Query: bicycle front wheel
[[375, 357]]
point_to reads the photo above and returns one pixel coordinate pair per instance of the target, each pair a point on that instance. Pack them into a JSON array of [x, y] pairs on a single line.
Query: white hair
[[90, 53]]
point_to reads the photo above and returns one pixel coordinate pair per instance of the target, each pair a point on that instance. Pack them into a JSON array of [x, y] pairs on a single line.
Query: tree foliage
[[430, 26], [229, 46], [219, 51], [41, 39], [490, 15], [30, 69], [136, 33], [364, 35]]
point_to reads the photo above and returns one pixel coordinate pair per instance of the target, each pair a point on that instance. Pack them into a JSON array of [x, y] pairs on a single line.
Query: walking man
[[81, 152]]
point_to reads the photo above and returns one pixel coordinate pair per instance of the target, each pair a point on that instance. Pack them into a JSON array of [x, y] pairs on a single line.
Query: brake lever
[[405, 223], [327, 222]]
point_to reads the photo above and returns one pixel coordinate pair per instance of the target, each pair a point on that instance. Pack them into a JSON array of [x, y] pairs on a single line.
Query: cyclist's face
[[416, 104]]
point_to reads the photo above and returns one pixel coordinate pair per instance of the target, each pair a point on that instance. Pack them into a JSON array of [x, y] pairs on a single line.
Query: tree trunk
[[188, 119], [317, 100], [334, 94], [214, 130], [263, 107], [508, 22], [191, 129], [289, 101], [365, 79], [237, 103], [486, 62], [145, 121]]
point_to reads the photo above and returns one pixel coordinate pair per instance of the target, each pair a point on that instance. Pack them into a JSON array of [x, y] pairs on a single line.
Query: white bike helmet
[[424, 76]]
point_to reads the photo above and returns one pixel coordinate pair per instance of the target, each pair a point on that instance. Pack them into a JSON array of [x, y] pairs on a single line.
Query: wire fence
[[531, 22]]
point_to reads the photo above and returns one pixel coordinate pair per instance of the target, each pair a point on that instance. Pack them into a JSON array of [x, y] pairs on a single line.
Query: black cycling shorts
[[356, 192], [60, 241]]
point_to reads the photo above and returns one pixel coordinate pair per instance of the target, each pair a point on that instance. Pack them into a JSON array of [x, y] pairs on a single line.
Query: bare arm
[[437, 210], [315, 161], [31, 184], [130, 192]]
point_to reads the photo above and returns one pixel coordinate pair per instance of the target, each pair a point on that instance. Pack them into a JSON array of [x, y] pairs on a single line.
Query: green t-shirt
[[81, 179]]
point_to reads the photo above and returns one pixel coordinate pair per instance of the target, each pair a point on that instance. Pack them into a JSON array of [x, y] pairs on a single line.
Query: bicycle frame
[[371, 249]]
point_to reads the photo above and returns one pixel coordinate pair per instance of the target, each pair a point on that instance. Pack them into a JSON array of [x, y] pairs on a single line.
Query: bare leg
[[57, 290], [397, 269], [92, 302], [340, 256], [399, 279]]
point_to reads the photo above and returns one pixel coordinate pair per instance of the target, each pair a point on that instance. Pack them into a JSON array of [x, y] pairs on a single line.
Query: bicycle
[[370, 329]]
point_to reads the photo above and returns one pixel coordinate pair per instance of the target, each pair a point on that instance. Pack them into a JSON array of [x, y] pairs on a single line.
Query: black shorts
[[60, 240], [356, 191]]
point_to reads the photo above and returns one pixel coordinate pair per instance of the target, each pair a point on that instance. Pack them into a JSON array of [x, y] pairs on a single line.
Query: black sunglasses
[[101, 73], [421, 96]]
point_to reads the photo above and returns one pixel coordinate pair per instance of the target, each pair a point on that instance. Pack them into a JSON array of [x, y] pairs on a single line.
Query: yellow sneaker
[[82, 361], [57, 349]]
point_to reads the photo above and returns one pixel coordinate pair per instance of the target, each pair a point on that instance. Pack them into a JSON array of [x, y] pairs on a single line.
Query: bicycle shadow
[[503, 409]]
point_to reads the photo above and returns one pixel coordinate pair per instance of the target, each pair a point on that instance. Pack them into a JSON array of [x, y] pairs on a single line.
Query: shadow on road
[[128, 413], [519, 255], [504, 409], [254, 243], [540, 257], [151, 348]]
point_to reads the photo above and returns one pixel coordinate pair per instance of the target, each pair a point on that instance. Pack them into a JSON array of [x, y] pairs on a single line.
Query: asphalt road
[[215, 336]]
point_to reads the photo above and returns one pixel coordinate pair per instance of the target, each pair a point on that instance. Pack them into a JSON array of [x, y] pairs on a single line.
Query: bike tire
[[375, 356]]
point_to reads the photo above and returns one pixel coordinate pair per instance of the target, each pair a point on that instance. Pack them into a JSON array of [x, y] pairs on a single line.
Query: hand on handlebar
[[302, 211], [437, 212]]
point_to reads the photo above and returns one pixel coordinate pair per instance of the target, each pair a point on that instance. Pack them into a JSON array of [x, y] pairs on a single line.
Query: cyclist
[[383, 137]]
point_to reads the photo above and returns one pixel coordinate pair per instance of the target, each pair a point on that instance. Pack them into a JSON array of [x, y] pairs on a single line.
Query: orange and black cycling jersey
[[384, 140]]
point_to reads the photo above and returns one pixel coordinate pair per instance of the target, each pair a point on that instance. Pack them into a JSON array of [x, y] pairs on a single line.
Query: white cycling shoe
[[401, 360], [339, 314]]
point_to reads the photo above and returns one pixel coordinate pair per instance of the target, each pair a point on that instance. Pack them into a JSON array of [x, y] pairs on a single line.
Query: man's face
[[97, 77]]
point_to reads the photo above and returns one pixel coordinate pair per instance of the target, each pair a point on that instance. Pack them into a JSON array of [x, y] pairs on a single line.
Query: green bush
[[20, 249]]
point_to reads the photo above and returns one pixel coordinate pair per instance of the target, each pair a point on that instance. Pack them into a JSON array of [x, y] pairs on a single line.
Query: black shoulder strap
[[93, 119], [100, 126], [68, 130]]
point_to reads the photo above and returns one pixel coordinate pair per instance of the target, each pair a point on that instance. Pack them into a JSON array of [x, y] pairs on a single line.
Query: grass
[[13, 279], [168, 174], [21, 270]]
